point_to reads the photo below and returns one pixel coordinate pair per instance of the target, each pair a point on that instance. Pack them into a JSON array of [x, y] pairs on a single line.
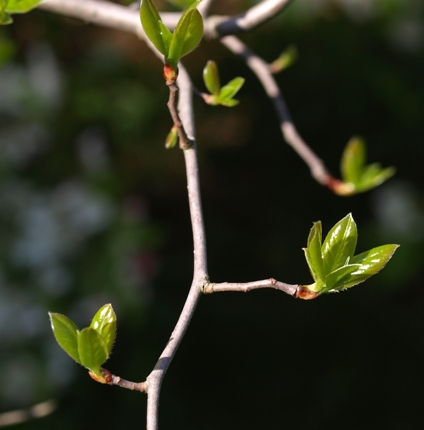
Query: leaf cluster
[[332, 263], [357, 176], [91, 346], [220, 95], [173, 45]]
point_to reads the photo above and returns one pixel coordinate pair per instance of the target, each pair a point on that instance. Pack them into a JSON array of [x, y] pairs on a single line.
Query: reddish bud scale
[[170, 74], [105, 378], [305, 293]]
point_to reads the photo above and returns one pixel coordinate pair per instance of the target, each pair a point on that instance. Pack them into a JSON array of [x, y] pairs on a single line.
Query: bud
[[170, 74]]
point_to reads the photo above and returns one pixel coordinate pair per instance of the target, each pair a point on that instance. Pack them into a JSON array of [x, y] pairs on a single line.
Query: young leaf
[[313, 252], [153, 26], [357, 177], [104, 322], [339, 244], [211, 77], [66, 334], [353, 160], [92, 349], [5, 18], [21, 6], [231, 89], [187, 35]]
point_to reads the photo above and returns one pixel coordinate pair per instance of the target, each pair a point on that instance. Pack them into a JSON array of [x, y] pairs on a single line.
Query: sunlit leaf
[[66, 334], [211, 77], [92, 349], [21, 6], [5, 18], [227, 102], [104, 322], [187, 35], [152, 24], [231, 89], [339, 244], [313, 252], [286, 59]]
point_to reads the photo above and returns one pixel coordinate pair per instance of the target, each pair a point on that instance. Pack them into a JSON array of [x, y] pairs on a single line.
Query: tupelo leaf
[[92, 349], [339, 244], [187, 35], [152, 24], [104, 322], [353, 160], [231, 89], [66, 334], [313, 252], [211, 77]]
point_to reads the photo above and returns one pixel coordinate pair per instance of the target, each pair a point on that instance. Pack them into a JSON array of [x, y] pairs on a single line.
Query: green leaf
[[339, 244], [231, 89], [66, 334], [104, 322], [227, 102], [181, 3], [5, 18], [357, 177], [353, 160], [92, 349], [211, 77], [187, 35], [287, 58], [21, 6], [152, 24], [338, 279], [313, 252]]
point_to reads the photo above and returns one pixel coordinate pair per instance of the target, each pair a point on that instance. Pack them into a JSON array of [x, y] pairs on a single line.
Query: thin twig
[[123, 383], [250, 286], [219, 26], [290, 134], [296, 291], [154, 380], [185, 142]]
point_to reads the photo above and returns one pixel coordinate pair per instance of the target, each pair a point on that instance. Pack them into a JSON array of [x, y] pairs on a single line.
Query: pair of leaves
[[220, 95], [173, 45], [357, 176], [8, 7], [332, 263], [92, 346]]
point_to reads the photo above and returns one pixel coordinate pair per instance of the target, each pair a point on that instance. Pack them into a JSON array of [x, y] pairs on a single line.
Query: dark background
[[93, 210]]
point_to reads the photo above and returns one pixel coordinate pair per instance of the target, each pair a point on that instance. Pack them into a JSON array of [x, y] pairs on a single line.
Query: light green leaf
[[231, 89], [211, 77], [153, 26], [353, 160], [373, 175], [187, 35], [66, 334], [340, 278], [5, 18], [21, 6], [339, 244], [92, 349], [104, 322], [313, 252], [227, 102]]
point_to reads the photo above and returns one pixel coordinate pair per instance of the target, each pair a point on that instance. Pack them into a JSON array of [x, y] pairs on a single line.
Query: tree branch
[[154, 380], [249, 286], [216, 26], [288, 129], [125, 18]]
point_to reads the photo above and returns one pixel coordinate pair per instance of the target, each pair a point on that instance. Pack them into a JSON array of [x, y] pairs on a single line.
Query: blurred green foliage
[[93, 210]]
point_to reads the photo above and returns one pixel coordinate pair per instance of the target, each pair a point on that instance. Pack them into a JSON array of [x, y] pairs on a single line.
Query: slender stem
[[185, 142], [200, 277], [249, 286], [123, 383], [288, 129], [257, 15]]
